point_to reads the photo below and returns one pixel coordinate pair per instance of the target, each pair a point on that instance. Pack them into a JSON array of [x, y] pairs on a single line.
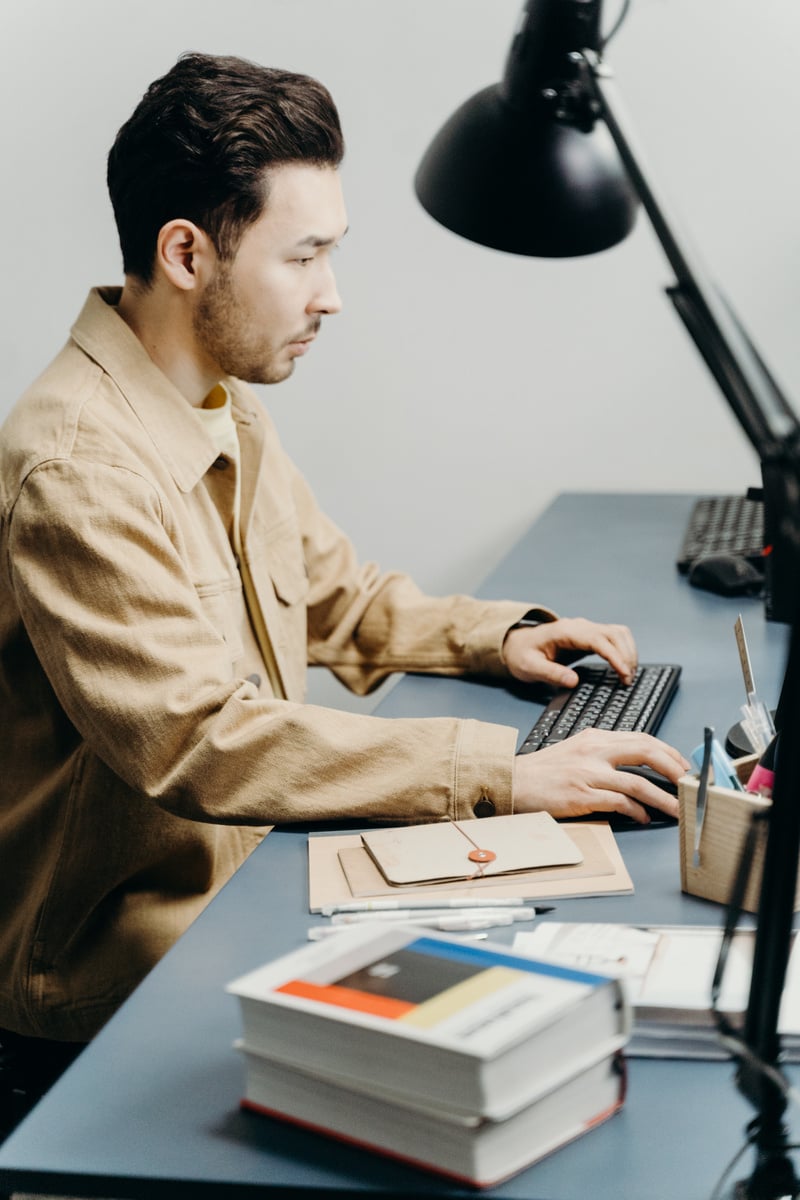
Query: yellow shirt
[[217, 417]]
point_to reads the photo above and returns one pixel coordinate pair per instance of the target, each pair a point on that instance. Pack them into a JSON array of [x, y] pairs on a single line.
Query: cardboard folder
[[602, 872]]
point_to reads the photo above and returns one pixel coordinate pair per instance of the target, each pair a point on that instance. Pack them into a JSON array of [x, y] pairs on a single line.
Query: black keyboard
[[602, 701], [723, 525]]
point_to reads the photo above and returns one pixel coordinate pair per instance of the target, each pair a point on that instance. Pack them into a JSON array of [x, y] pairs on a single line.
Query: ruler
[[744, 658]]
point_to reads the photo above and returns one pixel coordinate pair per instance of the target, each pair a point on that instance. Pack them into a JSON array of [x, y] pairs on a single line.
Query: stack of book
[[667, 972], [473, 1061]]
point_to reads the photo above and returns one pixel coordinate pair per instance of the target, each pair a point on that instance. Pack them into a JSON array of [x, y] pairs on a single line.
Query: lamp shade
[[525, 182]]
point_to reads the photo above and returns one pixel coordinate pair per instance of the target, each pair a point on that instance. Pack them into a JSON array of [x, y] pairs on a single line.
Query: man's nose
[[326, 299]]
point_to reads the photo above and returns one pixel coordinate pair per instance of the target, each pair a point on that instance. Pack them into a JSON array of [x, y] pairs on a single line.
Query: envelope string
[[477, 854]]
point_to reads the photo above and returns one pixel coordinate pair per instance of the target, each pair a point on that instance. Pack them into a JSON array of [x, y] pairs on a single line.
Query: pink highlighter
[[762, 778]]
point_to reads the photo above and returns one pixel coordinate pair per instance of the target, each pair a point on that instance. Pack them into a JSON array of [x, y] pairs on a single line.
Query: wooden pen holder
[[727, 820]]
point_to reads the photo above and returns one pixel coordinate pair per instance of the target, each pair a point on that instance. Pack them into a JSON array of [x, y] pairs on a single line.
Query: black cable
[[717, 1192], [623, 12], [718, 1186]]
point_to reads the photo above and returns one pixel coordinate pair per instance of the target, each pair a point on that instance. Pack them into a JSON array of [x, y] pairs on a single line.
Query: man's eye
[[303, 262]]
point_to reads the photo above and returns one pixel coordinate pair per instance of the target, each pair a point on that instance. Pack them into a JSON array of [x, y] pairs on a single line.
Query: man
[[167, 576]]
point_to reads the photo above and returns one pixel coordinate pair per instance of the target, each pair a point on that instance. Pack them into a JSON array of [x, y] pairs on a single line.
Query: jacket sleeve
[[145, 678], [364, 624]]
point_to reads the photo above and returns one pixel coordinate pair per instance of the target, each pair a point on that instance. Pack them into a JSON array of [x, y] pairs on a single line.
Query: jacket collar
[[185, 447]]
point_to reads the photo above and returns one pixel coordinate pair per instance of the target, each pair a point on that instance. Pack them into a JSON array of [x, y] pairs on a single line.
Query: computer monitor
[[767, 420]]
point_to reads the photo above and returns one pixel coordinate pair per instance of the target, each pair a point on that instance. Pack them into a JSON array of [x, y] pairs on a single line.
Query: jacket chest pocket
[[287, 569], [224, 608], [278, 571]]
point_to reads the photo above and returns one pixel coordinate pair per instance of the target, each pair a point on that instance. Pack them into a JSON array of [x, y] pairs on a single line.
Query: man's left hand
[[539, 654]]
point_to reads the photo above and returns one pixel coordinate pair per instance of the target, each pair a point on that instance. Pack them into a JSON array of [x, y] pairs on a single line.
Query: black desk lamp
[[542, 164]]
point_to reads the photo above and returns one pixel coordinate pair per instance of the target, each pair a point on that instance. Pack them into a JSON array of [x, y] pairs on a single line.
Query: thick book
[[667, 972], [479, 1030], [472, 1150]]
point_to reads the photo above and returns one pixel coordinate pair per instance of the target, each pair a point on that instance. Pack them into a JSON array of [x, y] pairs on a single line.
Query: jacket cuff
[[486, 642], [484, 770]]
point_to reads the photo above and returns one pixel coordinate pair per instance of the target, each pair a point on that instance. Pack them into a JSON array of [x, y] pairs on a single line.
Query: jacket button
[[484, 808], [221, 463], [255, 679]]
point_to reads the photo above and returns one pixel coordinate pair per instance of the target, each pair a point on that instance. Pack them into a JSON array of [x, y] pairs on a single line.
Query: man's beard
[[222, 328]]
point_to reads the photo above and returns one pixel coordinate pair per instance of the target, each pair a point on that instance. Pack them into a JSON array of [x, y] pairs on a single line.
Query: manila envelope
[[602, 872], [443, 851]]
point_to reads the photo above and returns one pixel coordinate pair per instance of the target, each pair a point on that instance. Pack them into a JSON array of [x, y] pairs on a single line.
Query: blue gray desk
[[151, 1107]]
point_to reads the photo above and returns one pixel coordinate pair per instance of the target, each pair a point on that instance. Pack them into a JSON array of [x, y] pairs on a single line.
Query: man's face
[[262, 310]]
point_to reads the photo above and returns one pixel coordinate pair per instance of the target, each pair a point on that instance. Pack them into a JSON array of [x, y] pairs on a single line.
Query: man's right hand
[[579, 776]]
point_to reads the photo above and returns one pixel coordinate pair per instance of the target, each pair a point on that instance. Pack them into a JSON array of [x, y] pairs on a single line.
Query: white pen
[[317, 932], [416, 916], [449, 921], [382, 905], [458, 921]]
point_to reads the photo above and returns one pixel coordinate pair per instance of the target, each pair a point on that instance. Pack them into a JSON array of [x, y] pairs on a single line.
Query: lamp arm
[[750, 390]]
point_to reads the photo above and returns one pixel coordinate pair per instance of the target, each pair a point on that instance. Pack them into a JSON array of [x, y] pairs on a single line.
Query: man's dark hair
[[200, 143]]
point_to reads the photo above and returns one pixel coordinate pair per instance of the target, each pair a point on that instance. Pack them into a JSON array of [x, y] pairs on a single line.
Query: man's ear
[[184, 253]]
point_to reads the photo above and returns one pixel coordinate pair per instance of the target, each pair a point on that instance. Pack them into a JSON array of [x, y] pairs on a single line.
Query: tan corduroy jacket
[[143, 750]]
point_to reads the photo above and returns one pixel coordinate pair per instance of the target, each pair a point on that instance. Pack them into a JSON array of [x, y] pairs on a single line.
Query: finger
[[627, 642], [622, 637], [666, 759], [619, 802], [646, 792], [553, 674], [614, 643], [636, 749], [619, 650]]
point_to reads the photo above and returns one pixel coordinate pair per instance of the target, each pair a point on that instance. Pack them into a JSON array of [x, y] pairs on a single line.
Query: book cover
[[427, 1015]]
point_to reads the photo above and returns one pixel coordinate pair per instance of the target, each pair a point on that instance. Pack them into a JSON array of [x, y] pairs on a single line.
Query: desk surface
[[150, 1109]]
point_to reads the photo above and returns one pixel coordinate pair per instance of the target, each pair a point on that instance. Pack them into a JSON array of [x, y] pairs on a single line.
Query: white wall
[[460, 389]]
